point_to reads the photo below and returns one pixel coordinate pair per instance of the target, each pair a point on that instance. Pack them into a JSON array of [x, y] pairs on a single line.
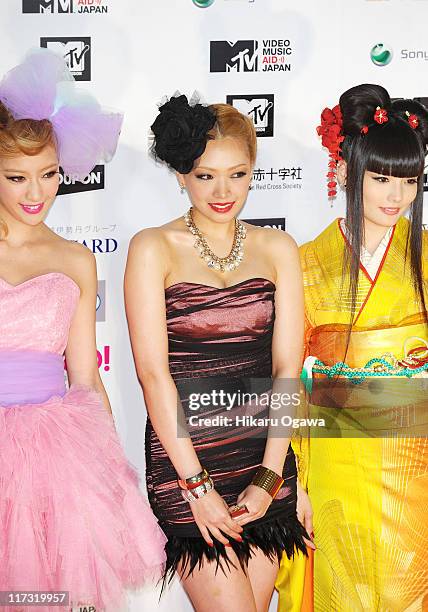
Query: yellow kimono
[[369, 492]]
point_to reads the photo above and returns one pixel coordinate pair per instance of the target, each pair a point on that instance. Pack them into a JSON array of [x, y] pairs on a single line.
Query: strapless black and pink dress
[[220, 339]]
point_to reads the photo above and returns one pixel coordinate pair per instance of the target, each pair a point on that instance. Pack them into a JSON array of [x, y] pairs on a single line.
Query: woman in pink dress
[[72, 517]]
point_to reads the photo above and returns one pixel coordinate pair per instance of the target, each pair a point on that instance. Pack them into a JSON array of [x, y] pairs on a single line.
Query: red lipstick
[[221, 207]]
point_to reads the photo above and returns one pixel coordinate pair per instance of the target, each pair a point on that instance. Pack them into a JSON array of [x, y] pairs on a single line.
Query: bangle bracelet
[[268, 480], [188, 487], [201, 476], [193, 481], [198, 492]]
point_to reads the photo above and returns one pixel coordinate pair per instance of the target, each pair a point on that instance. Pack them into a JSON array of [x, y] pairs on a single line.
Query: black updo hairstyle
[[393, 148]]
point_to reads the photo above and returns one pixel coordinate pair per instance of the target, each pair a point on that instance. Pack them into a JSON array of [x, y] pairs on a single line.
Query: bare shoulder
[[280, 249], [272, 239], [74, 260], [80, 255], [150, 254], [149, 241], [69, 249], [158, 242], [77, 261]]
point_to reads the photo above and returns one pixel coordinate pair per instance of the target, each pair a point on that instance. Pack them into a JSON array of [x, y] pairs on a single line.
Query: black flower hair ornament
[[180, 132]]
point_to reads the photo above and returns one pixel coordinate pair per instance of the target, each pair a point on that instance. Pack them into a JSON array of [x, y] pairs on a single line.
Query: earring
[[182, 188]]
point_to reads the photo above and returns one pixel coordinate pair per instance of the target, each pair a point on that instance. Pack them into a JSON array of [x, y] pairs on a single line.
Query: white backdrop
[[131, 53]]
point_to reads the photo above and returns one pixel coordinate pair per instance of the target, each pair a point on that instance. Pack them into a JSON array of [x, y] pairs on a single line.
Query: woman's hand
[[257, 501], [304, 513], [212, 516]]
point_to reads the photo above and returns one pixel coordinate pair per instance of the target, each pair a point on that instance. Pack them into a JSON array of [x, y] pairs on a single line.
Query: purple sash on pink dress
[[30, 377]]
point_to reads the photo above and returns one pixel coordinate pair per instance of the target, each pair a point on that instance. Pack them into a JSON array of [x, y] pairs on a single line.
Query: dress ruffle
[[273, 538], [72, 517]]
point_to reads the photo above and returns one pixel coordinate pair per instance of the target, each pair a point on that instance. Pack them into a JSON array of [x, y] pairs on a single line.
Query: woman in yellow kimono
[[367, 355]]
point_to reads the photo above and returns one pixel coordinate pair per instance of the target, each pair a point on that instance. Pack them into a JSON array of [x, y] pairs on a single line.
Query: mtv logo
[[47, 6], [241, 56], [76, 52], [259, 107]]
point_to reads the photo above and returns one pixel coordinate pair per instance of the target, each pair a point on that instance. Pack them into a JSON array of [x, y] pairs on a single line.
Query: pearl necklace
[[224, 264]]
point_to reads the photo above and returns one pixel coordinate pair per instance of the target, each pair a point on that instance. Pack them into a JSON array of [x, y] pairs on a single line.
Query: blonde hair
[[22, 137], [230, 123]]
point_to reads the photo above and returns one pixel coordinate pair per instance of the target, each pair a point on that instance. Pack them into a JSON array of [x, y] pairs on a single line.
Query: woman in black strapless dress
[[224, 492]]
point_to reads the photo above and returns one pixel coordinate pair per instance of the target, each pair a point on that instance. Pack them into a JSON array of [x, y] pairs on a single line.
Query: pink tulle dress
[[72, 517]]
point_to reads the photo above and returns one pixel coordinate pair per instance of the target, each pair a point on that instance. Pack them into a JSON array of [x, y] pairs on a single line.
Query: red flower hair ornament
[[413, 120], [332, 137], [381, 115]]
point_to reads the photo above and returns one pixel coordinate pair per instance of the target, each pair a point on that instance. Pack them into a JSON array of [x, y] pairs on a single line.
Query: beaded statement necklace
[[224, 264]]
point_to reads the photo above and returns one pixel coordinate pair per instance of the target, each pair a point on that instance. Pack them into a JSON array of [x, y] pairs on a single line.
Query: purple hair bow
[[42, 87]]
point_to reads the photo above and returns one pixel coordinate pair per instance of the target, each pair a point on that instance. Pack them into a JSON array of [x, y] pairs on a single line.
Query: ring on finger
[[238, 510]]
